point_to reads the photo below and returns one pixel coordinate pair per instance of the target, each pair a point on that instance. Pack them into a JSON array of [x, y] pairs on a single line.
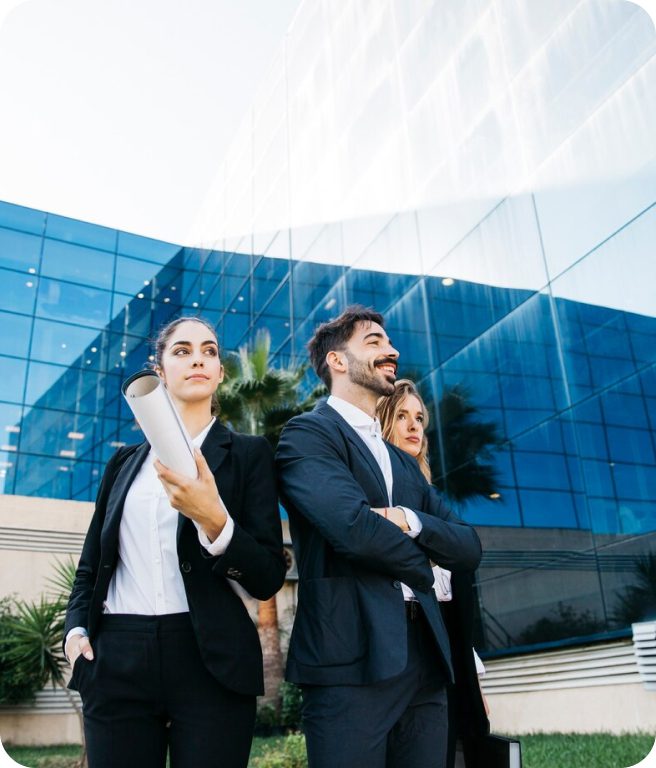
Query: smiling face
[[371, 359], [190, 364], [408, 430]]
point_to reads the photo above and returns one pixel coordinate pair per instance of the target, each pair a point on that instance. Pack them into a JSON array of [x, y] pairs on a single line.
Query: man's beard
[[360, 373]]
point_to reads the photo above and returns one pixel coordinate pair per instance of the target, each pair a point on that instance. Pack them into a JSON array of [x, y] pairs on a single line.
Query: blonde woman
[[404, 419]]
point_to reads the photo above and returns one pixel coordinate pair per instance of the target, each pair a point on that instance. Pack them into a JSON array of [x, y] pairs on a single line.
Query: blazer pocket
[[328, 630]]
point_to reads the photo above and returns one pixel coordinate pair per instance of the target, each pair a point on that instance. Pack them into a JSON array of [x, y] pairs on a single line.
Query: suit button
[[396, 584], [185, 567], [233, 573]]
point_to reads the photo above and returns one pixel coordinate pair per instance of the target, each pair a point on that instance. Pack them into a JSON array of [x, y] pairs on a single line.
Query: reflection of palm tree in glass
[[258, 399], [638, 602], [462, 449]]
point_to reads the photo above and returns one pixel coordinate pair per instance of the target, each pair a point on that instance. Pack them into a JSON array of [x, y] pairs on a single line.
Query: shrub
[[18, 681], [290, 753], [290, 709]]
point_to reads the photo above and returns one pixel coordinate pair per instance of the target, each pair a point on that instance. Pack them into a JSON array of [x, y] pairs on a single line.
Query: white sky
[[119, 112]]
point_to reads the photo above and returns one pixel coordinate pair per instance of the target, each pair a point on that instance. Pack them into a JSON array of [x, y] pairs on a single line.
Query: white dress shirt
[[368, 429], [147, 577]]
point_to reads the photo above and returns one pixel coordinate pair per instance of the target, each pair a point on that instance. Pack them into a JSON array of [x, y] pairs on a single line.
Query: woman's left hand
[[197, 498]]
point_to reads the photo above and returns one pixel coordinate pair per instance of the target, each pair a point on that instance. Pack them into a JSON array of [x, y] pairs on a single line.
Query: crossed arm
[[316, 481]]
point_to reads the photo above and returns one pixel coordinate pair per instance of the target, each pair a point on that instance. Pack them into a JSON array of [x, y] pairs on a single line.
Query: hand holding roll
[[198, 498]]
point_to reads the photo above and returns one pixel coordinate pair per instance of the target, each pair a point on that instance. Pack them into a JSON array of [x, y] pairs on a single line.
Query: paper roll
[[153, 408]]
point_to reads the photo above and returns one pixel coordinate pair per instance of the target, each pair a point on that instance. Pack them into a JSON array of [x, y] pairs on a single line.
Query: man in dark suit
[[368, 647]]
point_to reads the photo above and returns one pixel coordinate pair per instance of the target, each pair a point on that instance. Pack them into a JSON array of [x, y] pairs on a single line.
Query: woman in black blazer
[[164, 654], [403, 419]]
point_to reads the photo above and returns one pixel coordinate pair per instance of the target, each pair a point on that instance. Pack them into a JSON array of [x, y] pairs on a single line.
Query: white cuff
[[220, 544], [414, 523], [442, 584], [75, 631]]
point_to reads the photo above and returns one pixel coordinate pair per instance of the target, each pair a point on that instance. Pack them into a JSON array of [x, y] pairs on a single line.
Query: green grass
[[67, 755], [61, 756], [539, 751], [573, 750]]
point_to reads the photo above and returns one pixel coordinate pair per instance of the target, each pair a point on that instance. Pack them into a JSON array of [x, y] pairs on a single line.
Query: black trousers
[[147, 692], [397, 723]]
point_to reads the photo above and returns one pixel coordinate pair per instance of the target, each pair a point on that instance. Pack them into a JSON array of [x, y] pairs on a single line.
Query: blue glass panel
[[43, 476], [315, 285], [62, 343], [12, 379], [607, 370], [575, 474], [80, 233], [592, 440], [500, 512], [405, 324], [73, 303], [18, 291], [623, 410], [516, 421], [134, 276], [637, 516], [238, 264], [631, 445], [81, 265], [25, 219], [52, 432], [235, 329], [541, 470], [15, 336], [82, 481], [239, 296], [213, 263], [547, 437], [604, 515], [42, 379], [598, 480], [634, 481], [10, 419], [19, 251], [146, 248], [548, 509]]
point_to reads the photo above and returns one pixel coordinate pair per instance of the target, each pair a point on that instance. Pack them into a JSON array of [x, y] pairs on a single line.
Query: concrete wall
[[586, 689]]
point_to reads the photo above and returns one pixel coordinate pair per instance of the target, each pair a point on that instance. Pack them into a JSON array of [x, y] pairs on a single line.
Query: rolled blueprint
[[153, 408]]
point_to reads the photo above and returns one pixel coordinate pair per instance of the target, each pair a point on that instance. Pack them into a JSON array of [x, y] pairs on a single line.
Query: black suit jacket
[[228, 640], [350, 625]]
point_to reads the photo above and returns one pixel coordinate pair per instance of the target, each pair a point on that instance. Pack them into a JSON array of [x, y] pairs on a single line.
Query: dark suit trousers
[[147, 692], [397, 723]]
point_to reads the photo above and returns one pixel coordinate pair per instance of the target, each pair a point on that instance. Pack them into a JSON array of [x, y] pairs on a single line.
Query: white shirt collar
[[198, 440], [353, 415]]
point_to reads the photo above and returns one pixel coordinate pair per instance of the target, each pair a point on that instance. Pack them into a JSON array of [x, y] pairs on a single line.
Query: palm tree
[[465, 443], [258, 399]]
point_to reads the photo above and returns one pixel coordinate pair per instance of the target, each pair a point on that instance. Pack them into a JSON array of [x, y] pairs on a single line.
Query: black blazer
[[467, 718], [228, 640], [350, 626]]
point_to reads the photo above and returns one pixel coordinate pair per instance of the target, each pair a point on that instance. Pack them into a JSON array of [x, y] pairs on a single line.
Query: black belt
[[413, 610]]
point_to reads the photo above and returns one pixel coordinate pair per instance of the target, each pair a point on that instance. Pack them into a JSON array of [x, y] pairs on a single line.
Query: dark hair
[[387, 410], [165, 333], [334, 335]]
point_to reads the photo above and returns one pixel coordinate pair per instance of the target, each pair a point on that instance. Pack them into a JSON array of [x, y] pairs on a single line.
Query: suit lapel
[[215, 448], [120, 488], [355, 440]]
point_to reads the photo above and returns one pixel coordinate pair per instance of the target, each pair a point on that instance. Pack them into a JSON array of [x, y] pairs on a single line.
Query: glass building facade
[[492, 191]]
